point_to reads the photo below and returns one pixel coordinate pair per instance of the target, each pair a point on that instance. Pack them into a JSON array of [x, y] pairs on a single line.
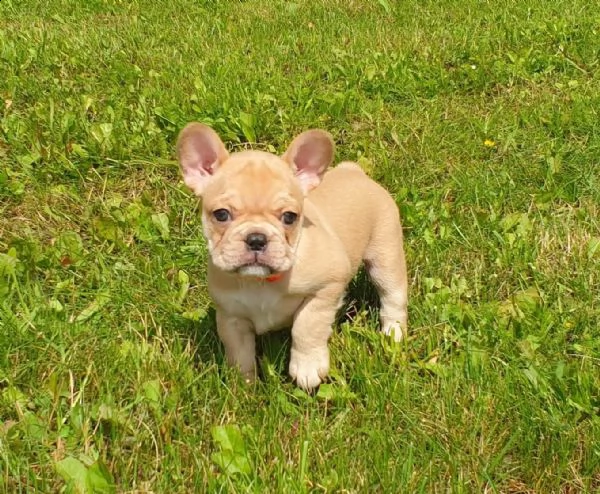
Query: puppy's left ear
[[310, 154]]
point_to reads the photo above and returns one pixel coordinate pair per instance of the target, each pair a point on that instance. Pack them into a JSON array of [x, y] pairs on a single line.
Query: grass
[[481, 118]]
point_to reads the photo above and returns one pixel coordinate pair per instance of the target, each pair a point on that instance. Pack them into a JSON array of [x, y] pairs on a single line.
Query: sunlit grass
[[480, 118]]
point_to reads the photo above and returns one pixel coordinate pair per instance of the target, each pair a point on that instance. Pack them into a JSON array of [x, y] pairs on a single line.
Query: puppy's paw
[[249, 377], [309, 369], [394, 330]]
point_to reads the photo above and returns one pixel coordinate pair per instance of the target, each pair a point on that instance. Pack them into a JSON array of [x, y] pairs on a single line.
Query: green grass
[[481, 118]]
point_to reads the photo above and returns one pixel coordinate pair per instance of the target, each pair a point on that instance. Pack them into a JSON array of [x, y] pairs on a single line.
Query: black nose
[[256, 242]]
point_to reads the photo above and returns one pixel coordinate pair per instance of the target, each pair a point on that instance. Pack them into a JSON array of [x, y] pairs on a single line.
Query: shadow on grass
[[273, 348], [361, 295]]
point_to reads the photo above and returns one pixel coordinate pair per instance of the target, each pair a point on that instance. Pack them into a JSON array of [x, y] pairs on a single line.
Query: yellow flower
[[488, 143]]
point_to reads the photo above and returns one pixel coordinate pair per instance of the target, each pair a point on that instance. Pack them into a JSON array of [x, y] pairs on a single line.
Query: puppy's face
[[251, 213], [252, 201]]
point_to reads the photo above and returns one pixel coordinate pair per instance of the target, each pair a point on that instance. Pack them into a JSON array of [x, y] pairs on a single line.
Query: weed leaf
[[75, 474], [99, 478], [233, 456], [386, 5], [99, 302], [82, 479], [161, 221], [247, 126], [8, 263]]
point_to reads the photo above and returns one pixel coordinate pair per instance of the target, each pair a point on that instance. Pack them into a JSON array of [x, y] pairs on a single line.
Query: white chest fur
[[264, 304]]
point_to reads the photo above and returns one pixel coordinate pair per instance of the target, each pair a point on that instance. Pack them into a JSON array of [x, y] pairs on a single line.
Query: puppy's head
[[252, 201]]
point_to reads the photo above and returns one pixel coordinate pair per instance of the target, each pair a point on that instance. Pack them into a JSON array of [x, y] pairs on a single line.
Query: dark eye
[[288, 218], [221, 215]]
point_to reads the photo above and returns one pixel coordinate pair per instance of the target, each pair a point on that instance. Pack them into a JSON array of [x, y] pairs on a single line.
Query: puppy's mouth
[[255, 269]]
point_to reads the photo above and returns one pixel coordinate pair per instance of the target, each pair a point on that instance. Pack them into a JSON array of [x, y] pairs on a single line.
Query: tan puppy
[[285, 239]]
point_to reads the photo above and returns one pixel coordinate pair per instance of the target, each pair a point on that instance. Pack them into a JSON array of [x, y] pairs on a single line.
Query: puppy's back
[[353, 204]]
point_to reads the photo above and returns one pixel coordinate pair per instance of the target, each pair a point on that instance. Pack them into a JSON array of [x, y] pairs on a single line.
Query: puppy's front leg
[[239, 340], [309, 359]]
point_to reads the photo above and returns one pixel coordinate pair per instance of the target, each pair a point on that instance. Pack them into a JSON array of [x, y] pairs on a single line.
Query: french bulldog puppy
[[285, 238]]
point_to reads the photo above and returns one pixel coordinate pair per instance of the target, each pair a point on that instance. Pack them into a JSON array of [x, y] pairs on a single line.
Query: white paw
[[309, 369], [395, 330]]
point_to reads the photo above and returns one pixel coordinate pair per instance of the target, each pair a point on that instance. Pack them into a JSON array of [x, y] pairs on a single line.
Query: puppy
[[285, 238]]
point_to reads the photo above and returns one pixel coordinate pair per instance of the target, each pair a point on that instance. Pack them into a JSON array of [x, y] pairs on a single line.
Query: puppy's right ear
[[200, 152]]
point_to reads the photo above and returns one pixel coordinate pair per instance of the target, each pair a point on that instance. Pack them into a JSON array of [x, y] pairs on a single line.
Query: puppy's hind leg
[[386, 266]]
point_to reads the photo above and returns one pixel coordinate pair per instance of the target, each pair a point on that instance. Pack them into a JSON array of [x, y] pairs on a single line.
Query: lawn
[[481, 118]]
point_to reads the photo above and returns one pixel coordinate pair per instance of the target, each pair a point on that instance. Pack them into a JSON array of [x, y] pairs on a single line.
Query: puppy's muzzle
[[256, 242]]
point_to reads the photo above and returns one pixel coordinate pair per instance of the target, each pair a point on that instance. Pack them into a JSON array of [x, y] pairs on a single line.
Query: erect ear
[[200, 152], [310, 154]]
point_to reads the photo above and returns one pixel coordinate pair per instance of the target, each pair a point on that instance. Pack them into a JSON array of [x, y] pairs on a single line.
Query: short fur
[[299, 277]]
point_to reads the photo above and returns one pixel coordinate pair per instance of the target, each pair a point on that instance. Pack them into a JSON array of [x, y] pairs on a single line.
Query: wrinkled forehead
[[253, 180]]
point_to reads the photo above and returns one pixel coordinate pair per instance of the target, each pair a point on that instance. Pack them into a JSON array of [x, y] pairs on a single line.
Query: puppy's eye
[[221, 215], [288, 218]]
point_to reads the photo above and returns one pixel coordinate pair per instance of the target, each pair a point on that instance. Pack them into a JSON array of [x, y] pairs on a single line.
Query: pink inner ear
[[307, 160], [207, 156], [200, 152], [310, 154], [308, 179]]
